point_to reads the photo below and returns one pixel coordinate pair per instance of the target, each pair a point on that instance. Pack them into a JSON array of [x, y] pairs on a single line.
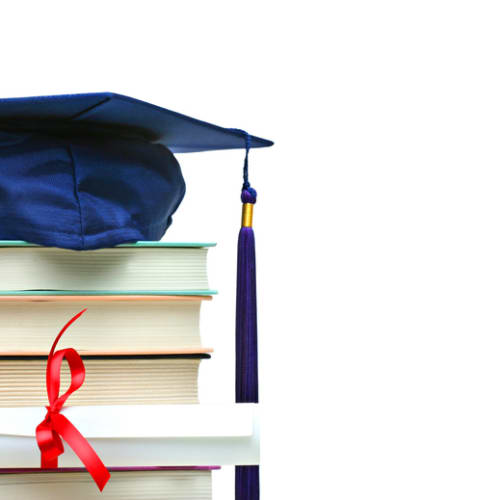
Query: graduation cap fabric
[[89, 171]]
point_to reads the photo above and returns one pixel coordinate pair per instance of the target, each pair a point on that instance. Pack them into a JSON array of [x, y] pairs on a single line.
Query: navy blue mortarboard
[[88, 171]]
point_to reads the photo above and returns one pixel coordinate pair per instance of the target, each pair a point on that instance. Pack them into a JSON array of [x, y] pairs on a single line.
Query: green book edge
[[139, 244]]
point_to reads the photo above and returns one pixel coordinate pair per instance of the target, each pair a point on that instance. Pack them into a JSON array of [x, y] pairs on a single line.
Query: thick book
[[125, 379], [146, 267], [123, 436], [136, 324], [126, 483]]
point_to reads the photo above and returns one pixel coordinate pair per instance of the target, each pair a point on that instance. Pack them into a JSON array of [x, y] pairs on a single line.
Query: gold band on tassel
[[247, 215]]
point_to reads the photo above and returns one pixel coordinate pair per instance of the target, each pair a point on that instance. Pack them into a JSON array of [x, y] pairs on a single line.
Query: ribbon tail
[[82, 448]]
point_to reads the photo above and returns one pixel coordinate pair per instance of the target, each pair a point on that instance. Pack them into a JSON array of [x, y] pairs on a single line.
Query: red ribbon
[[56, 426]]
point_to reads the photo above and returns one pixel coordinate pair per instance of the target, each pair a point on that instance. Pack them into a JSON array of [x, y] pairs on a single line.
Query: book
[[146, 267], [126, 483], [109, 380], [125, 436], [143, 324]]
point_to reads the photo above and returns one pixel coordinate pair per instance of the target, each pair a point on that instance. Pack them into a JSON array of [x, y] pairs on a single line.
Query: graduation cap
[[88, 171]]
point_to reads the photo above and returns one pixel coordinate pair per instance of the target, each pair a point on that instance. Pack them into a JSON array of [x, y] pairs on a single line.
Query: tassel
[[247, 390], [247, 482], [247, 382]]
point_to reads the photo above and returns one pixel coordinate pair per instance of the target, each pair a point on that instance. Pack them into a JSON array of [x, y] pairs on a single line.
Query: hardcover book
[[146, 267], [126, 483], [109, 380], [126, 324]]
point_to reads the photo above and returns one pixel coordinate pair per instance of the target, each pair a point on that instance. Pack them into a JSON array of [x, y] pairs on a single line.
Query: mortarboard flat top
[[123, 116]]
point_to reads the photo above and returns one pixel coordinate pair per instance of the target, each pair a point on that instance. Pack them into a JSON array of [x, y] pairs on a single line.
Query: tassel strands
[[247, 482], [247, 385], [247, 390]]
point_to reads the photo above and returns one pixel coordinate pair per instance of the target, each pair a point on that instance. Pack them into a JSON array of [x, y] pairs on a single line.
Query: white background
[[377, 221]]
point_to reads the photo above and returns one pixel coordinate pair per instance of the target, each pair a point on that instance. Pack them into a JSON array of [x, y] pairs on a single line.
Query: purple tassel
[[247, 482], [247, 380], [247, 387]]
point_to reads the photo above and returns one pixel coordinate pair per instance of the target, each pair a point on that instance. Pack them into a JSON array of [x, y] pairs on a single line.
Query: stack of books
[[141, 345]]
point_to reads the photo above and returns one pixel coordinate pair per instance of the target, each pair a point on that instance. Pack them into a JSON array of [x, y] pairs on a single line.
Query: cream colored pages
[[126, 485], [107, 326], [108, 381], [41, 268]]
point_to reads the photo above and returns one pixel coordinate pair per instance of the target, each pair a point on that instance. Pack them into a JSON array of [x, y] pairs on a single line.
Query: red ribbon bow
[[56, 426]]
